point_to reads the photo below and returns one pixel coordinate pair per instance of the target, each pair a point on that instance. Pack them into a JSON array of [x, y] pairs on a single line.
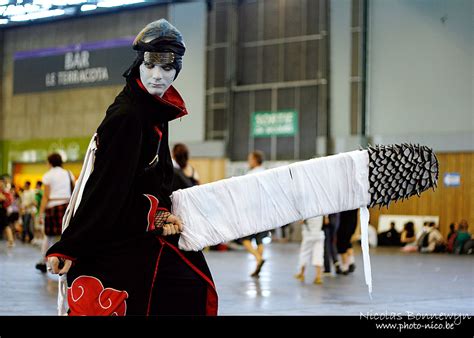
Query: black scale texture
[[400, 171]]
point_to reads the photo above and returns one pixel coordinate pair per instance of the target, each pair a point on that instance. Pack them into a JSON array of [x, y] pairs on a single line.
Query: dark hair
[[258, 156], [39, 183], [181, 155], [28, 183], [158, 36], [55, 160], [432, 224], [409, 227]]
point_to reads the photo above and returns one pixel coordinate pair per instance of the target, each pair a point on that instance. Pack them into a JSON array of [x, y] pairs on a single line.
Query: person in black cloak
[[120, 250]]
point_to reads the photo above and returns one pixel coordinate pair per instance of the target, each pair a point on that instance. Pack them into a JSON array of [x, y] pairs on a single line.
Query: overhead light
[[116, 3], [14, 10], [46, 4], [67, 2], [85, 8], [37, 15], [49, 3], [32, 8], [27, 10]]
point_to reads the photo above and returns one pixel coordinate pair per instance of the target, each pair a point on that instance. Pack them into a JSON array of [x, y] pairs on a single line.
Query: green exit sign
[[281, 123]]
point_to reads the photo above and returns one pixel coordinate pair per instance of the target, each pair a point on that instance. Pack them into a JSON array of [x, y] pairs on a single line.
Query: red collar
[[171, 98]]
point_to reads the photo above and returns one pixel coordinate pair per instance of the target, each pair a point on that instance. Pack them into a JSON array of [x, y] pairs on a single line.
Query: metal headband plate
[[161, 58]]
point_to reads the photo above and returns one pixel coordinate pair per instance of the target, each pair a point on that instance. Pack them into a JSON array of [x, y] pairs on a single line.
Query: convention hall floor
[[402, 283]]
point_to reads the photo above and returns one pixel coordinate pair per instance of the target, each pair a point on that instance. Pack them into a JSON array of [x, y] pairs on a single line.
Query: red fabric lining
[[152, 211], [61, 256], [154, 277], [211, 301], [158, 131], [170, 98]]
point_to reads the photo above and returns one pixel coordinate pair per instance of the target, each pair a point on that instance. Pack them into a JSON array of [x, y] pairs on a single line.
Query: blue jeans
[[27, 226]]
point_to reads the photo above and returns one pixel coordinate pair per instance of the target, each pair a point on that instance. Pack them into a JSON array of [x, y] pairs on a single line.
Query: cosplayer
[[116, 260], [132, 248]]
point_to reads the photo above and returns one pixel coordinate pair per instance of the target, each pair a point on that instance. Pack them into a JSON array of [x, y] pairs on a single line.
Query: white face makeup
[[156, 78]]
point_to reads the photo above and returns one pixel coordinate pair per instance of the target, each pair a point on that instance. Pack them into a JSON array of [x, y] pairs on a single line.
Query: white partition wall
[[420, 72], [190, 19]]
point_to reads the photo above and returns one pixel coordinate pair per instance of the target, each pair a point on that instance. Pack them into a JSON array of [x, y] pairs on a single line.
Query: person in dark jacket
[[120, 250], [185, 176], [345, 231], [390, 237]]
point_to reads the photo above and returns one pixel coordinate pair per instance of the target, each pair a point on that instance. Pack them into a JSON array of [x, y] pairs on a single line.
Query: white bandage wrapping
[[240, 206], [74, 202], [232, 208]]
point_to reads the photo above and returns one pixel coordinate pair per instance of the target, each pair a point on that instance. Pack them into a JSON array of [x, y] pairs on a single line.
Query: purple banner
[[26, 54], [83, 65]]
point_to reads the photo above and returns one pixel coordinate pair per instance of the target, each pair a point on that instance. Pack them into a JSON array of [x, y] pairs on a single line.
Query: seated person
[[408, 234], [462, 237], [390, 237], [408, 238], [451, 239], [433, 241]]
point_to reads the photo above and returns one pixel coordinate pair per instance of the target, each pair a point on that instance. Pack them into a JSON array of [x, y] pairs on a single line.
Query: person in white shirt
[[312, 248], [28, 210], [58, 186], [255, 161]]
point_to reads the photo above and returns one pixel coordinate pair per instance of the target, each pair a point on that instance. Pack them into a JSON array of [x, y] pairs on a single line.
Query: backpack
[[451, 241], [423, 240]]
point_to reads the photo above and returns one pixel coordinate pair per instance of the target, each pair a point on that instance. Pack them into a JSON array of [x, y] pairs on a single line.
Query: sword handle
[[158, 231], [61, 264]]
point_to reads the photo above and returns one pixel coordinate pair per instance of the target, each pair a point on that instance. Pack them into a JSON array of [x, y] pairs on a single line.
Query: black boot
[[352, 267], [41, 267]]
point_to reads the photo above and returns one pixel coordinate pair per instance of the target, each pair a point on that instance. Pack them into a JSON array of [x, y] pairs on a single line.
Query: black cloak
[[120, 267]]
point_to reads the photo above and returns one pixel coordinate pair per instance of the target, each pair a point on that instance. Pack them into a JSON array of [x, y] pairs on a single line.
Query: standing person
[[39, 235], [28, 211], [122, 237], [38, 194], [347, 227], [13, 212], [255, 162], [5, 201], [185, 175], [58, 187], [330, 226], [312, 247]]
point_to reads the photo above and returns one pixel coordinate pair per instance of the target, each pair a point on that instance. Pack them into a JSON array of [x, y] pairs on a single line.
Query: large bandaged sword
[[232, 208], [239, 206]]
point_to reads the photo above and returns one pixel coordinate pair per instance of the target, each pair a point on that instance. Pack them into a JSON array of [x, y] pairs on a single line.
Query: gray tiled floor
[[402, 283]]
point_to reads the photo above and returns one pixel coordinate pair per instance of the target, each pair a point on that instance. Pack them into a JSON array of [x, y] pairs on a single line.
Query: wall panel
[[451, 204]]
